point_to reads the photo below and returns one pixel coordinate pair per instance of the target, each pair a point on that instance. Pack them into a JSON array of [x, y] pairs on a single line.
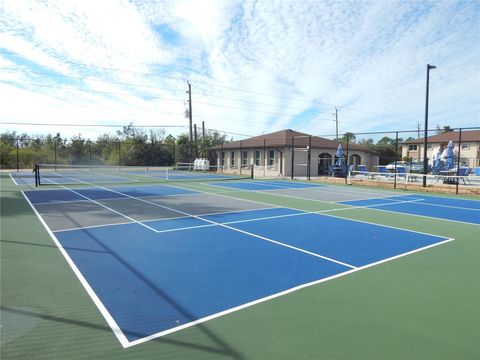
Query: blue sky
[[255, 66]]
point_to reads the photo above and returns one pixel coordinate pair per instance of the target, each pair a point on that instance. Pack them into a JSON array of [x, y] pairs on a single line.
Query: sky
[[254, 66]]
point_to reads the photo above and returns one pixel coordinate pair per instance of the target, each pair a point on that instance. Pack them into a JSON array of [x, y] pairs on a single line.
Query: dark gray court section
[[334, 193], [77, 214], [207, 204], [69, 215], [138, 209]]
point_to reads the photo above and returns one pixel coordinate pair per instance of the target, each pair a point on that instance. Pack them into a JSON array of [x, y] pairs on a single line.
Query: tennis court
[[168, 261], [462, 210]]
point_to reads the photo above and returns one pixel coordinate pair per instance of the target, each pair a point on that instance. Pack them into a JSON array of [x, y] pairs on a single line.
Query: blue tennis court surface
[[158, 275], [265, 185], [463, 210]]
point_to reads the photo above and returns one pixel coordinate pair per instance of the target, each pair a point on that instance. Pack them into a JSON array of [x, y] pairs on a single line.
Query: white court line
[[328, 188], [13, 179], [55, 202], [349, 207], [423, 216], [273, 296], [449, 206], [424, 201], [164, 219], [103, 310]]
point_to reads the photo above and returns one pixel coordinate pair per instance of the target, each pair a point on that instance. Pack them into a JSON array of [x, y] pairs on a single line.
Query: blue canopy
[[339, 156], [449, 156]]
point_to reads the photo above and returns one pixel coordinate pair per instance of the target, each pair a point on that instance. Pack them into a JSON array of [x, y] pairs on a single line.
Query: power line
[[248, 101], [96, 80], [102, 67], [90, 91], [89, 125]]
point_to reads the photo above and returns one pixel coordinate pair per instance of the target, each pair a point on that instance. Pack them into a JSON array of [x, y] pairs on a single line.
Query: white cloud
[[368, 56]]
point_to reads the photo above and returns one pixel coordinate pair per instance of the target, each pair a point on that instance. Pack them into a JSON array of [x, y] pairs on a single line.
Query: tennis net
[[54, 174]]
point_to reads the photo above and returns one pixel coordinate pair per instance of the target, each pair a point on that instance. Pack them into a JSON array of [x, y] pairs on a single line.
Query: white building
[[274, 152], [469, 151]]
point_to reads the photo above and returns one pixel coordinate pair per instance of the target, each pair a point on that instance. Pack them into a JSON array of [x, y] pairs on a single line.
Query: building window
[[222, 162], [465, 146], [257, 157], [429, 146], [271, 157], [244, 158], [232, 158], [412, 147]]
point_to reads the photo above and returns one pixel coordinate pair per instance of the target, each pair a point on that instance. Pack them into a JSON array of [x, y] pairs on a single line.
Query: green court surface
[[421, 306]]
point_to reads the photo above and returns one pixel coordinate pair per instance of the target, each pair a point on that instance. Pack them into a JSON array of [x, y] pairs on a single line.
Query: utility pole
[[336, 123], [189, 92]]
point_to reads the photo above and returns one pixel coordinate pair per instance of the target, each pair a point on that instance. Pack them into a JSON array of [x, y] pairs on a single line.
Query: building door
[[324, 160]]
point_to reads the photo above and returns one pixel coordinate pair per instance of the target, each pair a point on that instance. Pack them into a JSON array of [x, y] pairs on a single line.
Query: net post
[[36, 175]]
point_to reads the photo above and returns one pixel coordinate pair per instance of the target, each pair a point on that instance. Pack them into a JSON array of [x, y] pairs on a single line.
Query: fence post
[[173, 154], [264, 156], [241, 156], [293, 157], [119, 153], [458, 159], [309, 156], [90, 151], [55, 153], [395, 163], [347, 162], [18, 166], [222, 158]]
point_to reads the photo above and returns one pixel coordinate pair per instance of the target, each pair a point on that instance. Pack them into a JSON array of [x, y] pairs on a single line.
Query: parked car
[[405, 164], [416, 167]]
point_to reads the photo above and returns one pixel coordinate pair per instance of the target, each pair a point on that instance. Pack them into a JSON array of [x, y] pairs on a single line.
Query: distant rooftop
[[283, 138], [471, 135]]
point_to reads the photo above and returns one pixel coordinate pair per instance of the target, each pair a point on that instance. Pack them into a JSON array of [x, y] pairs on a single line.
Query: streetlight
[[425, 164]]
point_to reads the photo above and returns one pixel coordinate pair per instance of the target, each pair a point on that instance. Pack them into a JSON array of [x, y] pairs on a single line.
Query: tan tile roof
[[467, 136], [283, 138]]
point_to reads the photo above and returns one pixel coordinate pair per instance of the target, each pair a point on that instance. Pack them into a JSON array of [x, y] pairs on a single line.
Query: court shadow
[[103, 328], [222, 346], [53, 246], [13, 204]]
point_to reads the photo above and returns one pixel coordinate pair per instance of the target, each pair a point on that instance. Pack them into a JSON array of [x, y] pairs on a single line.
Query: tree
[[446, 128], [351, 138], [385, 148]]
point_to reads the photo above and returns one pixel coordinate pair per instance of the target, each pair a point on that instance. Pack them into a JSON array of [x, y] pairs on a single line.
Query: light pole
[[425, 164]]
